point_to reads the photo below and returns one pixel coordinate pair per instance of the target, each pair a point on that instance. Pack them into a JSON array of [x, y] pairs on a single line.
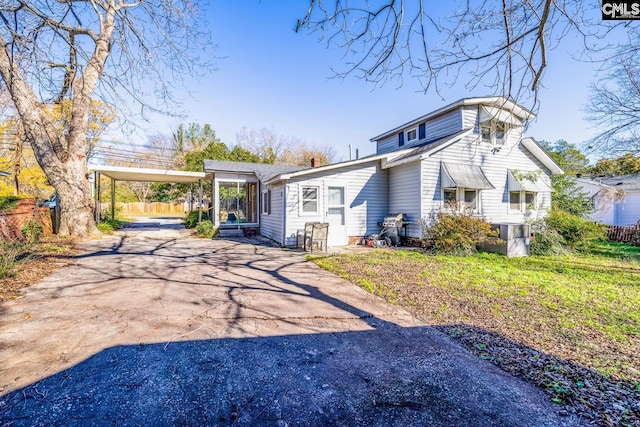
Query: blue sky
[[269, 76]]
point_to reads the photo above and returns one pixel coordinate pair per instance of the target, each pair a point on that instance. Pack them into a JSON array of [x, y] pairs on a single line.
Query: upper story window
[[494, 132], [412, 134]]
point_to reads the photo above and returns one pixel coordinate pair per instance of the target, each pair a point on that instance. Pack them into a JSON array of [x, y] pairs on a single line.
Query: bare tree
[[500, 45], [116, 50], [284, 150], [615, 107]]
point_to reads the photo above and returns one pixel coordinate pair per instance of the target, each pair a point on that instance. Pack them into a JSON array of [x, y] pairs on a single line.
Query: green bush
[[8, 202], [109, 225], [191, 219], [547, 241], [575, 230], [32, 231], [457, 233], [206, 229], [10, 254]]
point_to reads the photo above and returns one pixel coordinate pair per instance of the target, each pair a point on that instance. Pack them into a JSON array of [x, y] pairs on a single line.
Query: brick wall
[[11, 221]]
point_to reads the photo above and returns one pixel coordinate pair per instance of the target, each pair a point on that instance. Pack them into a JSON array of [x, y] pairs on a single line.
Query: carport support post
[[200, 202], [96, 183], [113, 198]]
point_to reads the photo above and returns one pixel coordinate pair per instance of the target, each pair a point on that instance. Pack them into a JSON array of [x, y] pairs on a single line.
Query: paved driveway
[[162, 329]]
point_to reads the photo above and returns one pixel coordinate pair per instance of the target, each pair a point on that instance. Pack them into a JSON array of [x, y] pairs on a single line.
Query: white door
[[336, 216]]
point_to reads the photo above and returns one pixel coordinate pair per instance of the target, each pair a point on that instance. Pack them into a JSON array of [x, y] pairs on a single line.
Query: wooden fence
[[627, 234], [152, 209]]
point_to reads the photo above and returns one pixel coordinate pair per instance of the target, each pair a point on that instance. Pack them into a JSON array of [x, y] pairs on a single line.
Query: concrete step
[[230, 232]]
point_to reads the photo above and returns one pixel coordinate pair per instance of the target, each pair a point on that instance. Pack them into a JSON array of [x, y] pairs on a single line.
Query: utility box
[[515, 240]]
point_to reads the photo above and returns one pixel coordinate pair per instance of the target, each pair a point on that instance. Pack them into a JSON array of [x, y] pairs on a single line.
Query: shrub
[[191, 220], [8, 202], [205, 229], [457, 233], [546, 241], [109, 225], [575, 230], [10, 254], [32, 231]]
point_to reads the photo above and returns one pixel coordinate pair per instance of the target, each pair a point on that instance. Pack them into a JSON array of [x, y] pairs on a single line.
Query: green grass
[[584, 307]]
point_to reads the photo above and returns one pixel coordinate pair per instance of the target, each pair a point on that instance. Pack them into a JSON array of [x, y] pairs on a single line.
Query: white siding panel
[[444, 125], [628, 212], [366, 198], [494, 203], [271, 224], [470, 118], [404, 194]]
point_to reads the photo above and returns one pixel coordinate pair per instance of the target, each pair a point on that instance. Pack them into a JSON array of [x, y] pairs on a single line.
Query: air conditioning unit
[[514, 240]]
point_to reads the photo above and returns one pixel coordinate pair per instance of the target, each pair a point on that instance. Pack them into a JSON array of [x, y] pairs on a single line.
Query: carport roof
[[121, 173]]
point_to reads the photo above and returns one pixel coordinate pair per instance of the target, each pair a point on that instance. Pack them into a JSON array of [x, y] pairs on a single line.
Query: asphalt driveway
[[152, 327]]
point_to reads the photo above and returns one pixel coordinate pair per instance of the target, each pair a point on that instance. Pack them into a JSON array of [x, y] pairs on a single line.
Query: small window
[[412, 134], [514, 201], [449, 195], [485, 130], [500, 133], [471, 200], [266, 202], [494, 132], [310, 199]]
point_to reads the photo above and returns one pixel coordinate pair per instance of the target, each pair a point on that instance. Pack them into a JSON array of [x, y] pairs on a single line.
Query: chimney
[[315, 162]]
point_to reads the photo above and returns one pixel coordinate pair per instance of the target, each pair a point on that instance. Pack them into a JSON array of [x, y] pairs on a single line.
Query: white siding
[[470, 118], [404, 194], [271, 224], [437, 127], [366, 198], [444, 125], [494, 203], [628, 212]]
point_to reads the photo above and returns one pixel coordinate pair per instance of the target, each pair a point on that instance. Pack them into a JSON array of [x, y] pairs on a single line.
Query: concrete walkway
[[164, 329]]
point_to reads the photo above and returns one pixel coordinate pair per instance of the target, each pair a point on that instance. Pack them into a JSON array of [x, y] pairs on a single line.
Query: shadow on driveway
[[201, 332]]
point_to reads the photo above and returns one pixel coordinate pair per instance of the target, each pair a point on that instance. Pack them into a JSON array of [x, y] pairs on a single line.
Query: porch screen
[[238, 202]]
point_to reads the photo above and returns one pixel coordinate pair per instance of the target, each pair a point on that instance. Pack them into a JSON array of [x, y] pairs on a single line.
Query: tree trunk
[[76, 203]]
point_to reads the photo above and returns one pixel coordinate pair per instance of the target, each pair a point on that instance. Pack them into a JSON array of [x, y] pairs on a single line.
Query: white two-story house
[[471, 152]]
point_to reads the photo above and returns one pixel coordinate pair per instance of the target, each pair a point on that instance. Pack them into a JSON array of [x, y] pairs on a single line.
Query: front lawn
[[583, 308]]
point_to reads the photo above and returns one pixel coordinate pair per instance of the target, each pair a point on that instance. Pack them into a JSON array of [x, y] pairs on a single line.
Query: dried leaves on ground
[[41, 260]]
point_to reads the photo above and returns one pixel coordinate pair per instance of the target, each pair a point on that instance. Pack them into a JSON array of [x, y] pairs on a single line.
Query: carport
[[121, 173]]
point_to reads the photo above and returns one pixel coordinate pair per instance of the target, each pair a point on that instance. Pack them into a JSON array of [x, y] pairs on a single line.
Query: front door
[[336, 216]]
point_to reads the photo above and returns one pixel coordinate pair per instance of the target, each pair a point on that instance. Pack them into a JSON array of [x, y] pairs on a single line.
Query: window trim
[[460, 199], [407, 136], [492, 126], [266, 202], [302, 212], [523, 206]]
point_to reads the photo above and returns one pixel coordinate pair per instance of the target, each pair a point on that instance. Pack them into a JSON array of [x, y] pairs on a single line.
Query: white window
[[470, 201], [266, 202], [494, 132], [466, 201], [514, 201], [521, 201], [412, 134], [309, 199], [449, 195]]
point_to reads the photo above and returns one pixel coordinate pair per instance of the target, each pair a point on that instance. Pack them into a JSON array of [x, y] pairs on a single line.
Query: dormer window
[[412, 135], [494, 132]]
